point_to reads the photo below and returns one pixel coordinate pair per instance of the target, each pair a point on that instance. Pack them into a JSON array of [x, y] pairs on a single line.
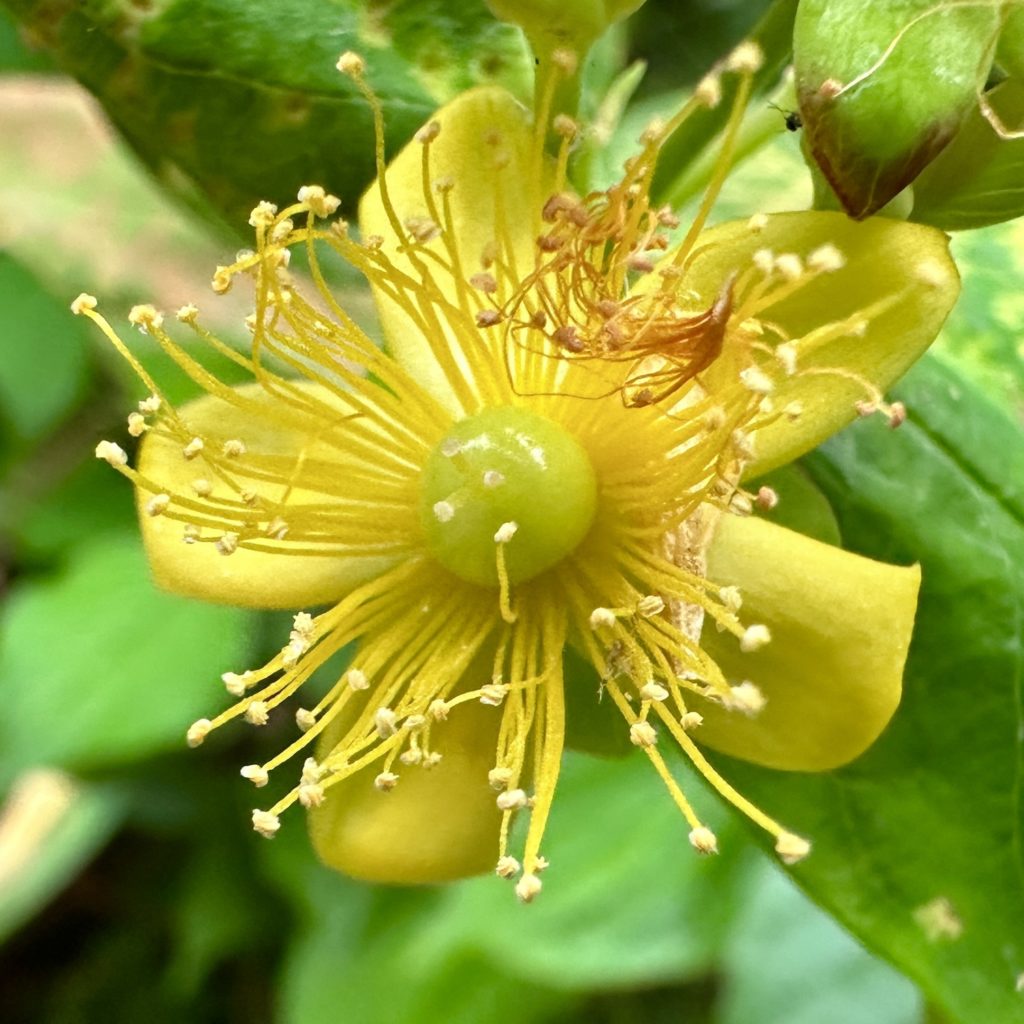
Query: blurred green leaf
[[918, 843], [43, 364], [986, 326], [15, 54], [787, 963], [601, 923], [230, 102], [979, 178], [52, 826], [40, 521], [98, 667], [217, 915]]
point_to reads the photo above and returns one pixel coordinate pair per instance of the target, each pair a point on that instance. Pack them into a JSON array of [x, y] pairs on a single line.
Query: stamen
[[704, 840]]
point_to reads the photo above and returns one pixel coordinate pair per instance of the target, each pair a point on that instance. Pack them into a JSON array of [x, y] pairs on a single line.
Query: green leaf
[[52, 825], [40, 521], [599, 924], [883, 88], [979, 178], [98, 667], [787, 963], [230, 102], [918, 843], [216, 917], [43, 368], [15, 54], [984, 330]]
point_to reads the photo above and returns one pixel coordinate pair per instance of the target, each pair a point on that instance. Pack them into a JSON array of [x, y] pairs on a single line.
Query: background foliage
[[131, 886]]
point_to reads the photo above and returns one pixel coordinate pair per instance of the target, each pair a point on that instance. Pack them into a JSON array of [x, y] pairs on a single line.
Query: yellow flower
[[550, 452]]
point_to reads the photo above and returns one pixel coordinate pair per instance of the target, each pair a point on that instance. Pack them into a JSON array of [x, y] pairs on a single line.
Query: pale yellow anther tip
[[111, 453], [790, 266], [506, 532], [747, 58], [512, 800], [84, 302], [565, 126], [265, 823], [528, 888], [826, 258], [602, 617], [650, 606], [703, 840], [227, 543], [356, 679], [654, 692], [263, 214], [428, 133], [320, 202], [310, 794], [709, 91], [350, 63], [158, 505], [755, 637], [198, 731], [385, 721], [746, 698], [691, 720], [234, 683], [507, 867], [257, 713], [145, 317], [642, 734], [257, 775], [791, 848], [755, 380]]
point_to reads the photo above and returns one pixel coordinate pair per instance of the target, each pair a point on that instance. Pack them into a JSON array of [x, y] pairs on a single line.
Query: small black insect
[[794, 122]]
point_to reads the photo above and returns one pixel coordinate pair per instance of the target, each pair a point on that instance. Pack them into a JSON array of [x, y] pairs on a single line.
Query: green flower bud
[[506, 486], [979, 178], [572, 24], [883, 88]]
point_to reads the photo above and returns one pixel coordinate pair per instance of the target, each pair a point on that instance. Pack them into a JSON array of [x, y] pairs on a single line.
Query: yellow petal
[[488, 204], [883, 258], [246, 578], [436, 825], [832, 673]]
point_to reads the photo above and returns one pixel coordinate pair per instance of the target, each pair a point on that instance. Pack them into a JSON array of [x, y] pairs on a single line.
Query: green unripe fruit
[[510, 478], [883, 88]]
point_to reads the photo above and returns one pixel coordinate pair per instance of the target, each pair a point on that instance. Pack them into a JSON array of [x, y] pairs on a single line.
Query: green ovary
[[506, 466]]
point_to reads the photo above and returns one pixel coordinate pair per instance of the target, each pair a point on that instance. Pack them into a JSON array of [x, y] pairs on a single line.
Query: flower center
[[506, 485]]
